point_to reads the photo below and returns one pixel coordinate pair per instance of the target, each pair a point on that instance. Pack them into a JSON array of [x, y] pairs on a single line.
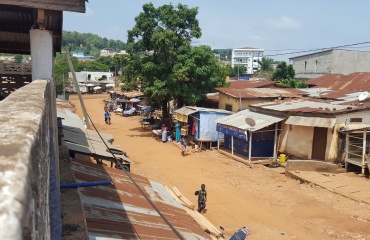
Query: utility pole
[[87, 119]]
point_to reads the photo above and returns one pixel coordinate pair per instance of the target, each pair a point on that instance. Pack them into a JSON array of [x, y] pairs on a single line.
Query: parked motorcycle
[[240, 234]]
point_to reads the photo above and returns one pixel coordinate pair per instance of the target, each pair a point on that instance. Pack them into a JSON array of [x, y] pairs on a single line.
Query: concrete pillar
[[41, 54], [42, 60]]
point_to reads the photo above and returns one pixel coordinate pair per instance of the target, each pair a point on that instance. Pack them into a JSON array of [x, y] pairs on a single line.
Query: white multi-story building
[[247, 57]]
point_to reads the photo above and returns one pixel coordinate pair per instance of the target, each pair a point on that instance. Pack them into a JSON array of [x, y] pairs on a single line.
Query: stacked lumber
[[174, 195], [207, 226], [204, 223], [187, 203]]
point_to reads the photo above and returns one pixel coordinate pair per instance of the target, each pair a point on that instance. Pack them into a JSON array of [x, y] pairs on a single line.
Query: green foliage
[[61, 69], [90, 43], [224, 53], [266, 64], [93, 66], [291, 83], [283, 71], [161, 60], [236, 71], [18, 58]]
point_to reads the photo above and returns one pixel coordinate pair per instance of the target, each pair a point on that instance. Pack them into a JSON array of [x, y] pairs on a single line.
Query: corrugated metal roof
[[261, 92], [332, 81], [311, 121], [237, 120], [302, 105], [242, 84], [120, 211], [185, 111], [82, 140]]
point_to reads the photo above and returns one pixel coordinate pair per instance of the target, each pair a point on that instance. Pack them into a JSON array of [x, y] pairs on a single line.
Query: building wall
[[347, 62], [235, 103], [313, 65], [246, 57], [26, 162], [298, 140], [334, 61]]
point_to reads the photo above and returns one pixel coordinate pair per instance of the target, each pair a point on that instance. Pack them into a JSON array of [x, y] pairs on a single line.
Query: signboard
[[232, 131]]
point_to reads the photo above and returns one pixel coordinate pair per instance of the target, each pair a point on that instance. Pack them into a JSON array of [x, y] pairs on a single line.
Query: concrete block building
[[333, 61]]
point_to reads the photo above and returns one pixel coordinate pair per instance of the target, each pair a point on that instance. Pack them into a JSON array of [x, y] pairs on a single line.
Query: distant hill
[[90, 43]]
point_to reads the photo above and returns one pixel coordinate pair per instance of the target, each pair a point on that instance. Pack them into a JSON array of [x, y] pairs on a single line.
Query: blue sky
[[277, 26]]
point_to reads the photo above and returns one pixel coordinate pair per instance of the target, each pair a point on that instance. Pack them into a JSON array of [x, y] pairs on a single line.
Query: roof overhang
[[237, 120], [183, 113], [311, 121], [17, 18]]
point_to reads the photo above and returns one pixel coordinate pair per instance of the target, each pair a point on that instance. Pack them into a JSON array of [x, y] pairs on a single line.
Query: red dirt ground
[[273, 206]]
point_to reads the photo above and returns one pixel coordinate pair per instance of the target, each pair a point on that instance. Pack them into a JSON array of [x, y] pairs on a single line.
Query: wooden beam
[[65, 5]]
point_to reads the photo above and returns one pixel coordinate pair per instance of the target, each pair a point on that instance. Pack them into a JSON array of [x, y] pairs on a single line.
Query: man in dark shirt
[[202, 198]]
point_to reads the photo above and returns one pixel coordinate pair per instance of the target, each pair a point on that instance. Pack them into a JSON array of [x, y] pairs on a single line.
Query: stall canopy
[[183, 113], [110, 85], [237, 120]]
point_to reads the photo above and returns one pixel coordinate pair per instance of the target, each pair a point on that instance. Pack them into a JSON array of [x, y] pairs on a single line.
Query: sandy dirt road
[[272, 205]]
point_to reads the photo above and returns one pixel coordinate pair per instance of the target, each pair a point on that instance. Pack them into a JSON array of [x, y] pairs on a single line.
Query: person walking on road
[[107, 116], [184, 143], [202, 197]]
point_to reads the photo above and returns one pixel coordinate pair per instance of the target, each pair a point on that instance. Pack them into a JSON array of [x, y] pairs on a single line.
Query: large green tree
[[283, 71], [162, 61]]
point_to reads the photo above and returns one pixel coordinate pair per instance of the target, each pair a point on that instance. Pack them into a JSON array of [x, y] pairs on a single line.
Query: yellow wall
[[235, 102]]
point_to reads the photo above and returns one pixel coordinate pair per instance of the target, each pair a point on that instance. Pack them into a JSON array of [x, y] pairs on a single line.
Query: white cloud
[[283, 22]]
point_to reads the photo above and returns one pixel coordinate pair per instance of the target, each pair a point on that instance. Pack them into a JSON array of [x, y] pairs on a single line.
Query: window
[[229, 107]]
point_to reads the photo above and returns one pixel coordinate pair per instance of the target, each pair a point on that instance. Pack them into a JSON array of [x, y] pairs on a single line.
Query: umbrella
[[97, 88], [110, 85], [90, 85], [147, 108]]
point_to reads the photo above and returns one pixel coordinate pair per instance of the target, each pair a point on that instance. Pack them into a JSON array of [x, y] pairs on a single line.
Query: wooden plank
[[66, 5]]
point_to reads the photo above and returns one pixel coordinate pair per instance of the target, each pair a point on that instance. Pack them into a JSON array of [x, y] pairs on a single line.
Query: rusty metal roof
[[242, 84], [120, 211], [331, 81], [354, 82], [18, 17], [311, 106], [261, 92]]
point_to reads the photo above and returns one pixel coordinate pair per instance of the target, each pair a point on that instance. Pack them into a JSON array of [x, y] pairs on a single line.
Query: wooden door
[[319, 143]]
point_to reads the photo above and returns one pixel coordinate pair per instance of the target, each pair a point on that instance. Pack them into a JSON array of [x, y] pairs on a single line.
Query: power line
[[317, 49]]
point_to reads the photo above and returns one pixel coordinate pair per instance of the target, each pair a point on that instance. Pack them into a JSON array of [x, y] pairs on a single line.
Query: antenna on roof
[[363, 96]]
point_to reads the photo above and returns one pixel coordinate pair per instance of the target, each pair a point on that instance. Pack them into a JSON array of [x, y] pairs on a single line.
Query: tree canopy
[[284, 71], [90, 43], [162, 61]]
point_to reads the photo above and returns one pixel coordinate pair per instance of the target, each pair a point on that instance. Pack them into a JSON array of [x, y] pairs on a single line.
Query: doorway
[[319, 143]]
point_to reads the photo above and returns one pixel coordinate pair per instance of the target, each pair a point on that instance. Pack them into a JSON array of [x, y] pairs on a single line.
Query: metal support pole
[[363, 153], [275, 142], [250, 149], [232, 145], [87, 120], [346, 153]]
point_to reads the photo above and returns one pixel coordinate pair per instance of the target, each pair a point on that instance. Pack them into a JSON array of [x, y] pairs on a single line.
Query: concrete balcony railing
[[28, 162]]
